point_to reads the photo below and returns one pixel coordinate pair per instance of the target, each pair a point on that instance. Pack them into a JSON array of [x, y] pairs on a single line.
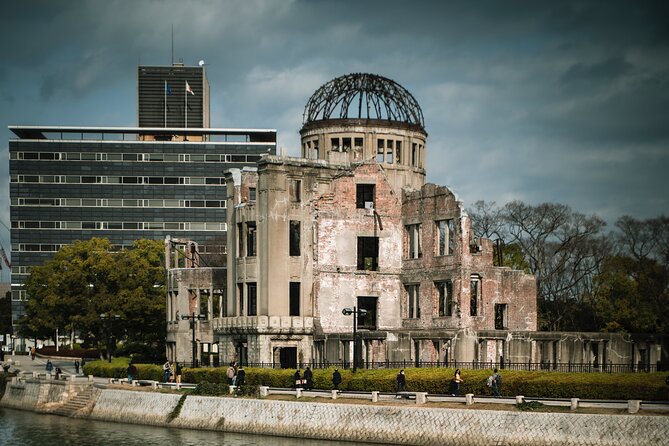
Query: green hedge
[[118, 368], [619, 386]]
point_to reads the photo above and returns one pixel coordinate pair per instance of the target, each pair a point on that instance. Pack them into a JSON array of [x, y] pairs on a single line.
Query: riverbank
[[388, 424]]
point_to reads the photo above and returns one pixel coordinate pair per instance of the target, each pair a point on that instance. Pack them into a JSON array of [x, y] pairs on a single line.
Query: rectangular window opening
[[364, 196], [368, 320], [294, 296], [368, 253], [294, 238]]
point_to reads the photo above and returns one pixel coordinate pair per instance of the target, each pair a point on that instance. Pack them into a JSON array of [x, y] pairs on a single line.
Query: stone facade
[[358, 240]]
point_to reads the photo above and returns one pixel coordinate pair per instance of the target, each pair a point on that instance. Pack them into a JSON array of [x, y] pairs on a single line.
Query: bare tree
[[564, 249]]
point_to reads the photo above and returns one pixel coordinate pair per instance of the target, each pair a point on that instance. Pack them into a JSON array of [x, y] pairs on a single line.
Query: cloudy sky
[[538, 101]]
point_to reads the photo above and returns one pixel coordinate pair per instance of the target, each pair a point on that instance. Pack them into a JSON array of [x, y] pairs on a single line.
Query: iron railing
[[475, 365]]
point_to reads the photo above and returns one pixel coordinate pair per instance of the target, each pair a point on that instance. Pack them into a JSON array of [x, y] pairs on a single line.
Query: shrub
[[118, 368], [77, 352]]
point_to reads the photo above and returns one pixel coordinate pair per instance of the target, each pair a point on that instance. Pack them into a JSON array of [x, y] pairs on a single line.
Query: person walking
[[230, 374], [167, 371], [132, 372], [457, 379], [76, 366], [298, 378], [336, 379], [308, 378], [49, 367], [496, 383], [400, 382], [241, 377]]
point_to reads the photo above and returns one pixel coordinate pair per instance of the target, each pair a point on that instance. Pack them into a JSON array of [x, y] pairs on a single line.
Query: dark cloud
[[542, 101]]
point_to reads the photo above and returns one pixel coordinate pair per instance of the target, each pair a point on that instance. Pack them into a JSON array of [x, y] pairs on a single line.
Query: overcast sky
[[538, 101]]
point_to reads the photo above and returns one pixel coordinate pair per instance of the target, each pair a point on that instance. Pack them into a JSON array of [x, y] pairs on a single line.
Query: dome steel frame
[[371, 95]]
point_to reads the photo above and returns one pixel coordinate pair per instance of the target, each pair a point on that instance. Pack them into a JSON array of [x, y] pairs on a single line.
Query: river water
[[23, 428]]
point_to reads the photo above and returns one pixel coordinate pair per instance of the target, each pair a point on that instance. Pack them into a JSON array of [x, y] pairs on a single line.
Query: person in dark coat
[[308, 377], [298, 378], [401, 382], [336, 379], [76, 366], [241, 377]]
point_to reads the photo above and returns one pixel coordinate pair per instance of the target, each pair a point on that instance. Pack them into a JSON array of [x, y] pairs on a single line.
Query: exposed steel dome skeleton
[[363, 96]]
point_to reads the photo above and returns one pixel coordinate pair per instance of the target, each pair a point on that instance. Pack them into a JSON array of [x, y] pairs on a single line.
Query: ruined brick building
[[352, 223]]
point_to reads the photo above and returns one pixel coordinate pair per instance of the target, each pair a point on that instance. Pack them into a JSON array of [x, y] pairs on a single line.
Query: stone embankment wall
[[409, 425]]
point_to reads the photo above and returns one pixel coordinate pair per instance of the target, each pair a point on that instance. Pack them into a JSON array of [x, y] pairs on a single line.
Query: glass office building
[[74, 183]]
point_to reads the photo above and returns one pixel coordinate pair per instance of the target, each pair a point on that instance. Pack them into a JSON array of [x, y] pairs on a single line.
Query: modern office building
[[164, 177], [173, 96]]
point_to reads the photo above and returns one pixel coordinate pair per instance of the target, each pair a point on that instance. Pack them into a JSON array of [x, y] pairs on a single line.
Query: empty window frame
[[445, 296], [368, 320], [398, 152], [414, 244], [474, 295], [389, 151], [501, 317], [414, 154], [294, 238], [294, 298], [413, 301], [240, 239], [240, 299], [445, 237], [252, 299], [334, 144], [251, 239], [296, 191], [364, 196], [252, 194], [368, 253], [380, 150]]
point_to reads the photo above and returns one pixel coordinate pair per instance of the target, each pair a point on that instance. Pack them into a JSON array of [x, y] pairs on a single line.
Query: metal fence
[[479, 365]]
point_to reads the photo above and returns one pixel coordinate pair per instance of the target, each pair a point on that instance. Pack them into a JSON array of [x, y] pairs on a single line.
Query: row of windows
[[117, 202], [121, 225], [144, 157], [444, 236], [445, 297], [106, 179], [388, 151], [247, 299], [247, 239], [27, 247]]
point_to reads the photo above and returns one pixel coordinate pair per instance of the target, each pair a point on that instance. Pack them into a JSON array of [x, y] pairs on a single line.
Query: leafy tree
[[86, 280], [632, 290]]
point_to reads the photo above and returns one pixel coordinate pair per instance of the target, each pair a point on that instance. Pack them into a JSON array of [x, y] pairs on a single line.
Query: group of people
[[236, 375], [169, 373], [494, 382], [306, 381]]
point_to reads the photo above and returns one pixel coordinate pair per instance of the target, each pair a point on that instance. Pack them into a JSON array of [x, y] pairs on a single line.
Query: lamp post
[[194, 317], [110, 319], [355, 312]]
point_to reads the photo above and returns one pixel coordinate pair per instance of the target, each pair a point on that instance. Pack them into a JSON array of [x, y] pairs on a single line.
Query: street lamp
[[194, 317], [355, 312], [111, 318]]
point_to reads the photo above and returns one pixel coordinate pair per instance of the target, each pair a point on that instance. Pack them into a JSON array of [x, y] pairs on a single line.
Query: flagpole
[[165, 102], [186, 109]]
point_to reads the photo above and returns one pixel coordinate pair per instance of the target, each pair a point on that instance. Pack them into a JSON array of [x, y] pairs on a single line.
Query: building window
[[474, 295], [334, 144], [240, 240], [445, 237], [368, 320], [252, 194], [364, 196], [296, 191], [380, 150], [415, 250], [414, 154], [501, 317], [368, 253], [251, 239], [252, 298], [294, 296], [389, 151], [413, 304], [398, 152], [240, 296], [294, 238], [445, 291]]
